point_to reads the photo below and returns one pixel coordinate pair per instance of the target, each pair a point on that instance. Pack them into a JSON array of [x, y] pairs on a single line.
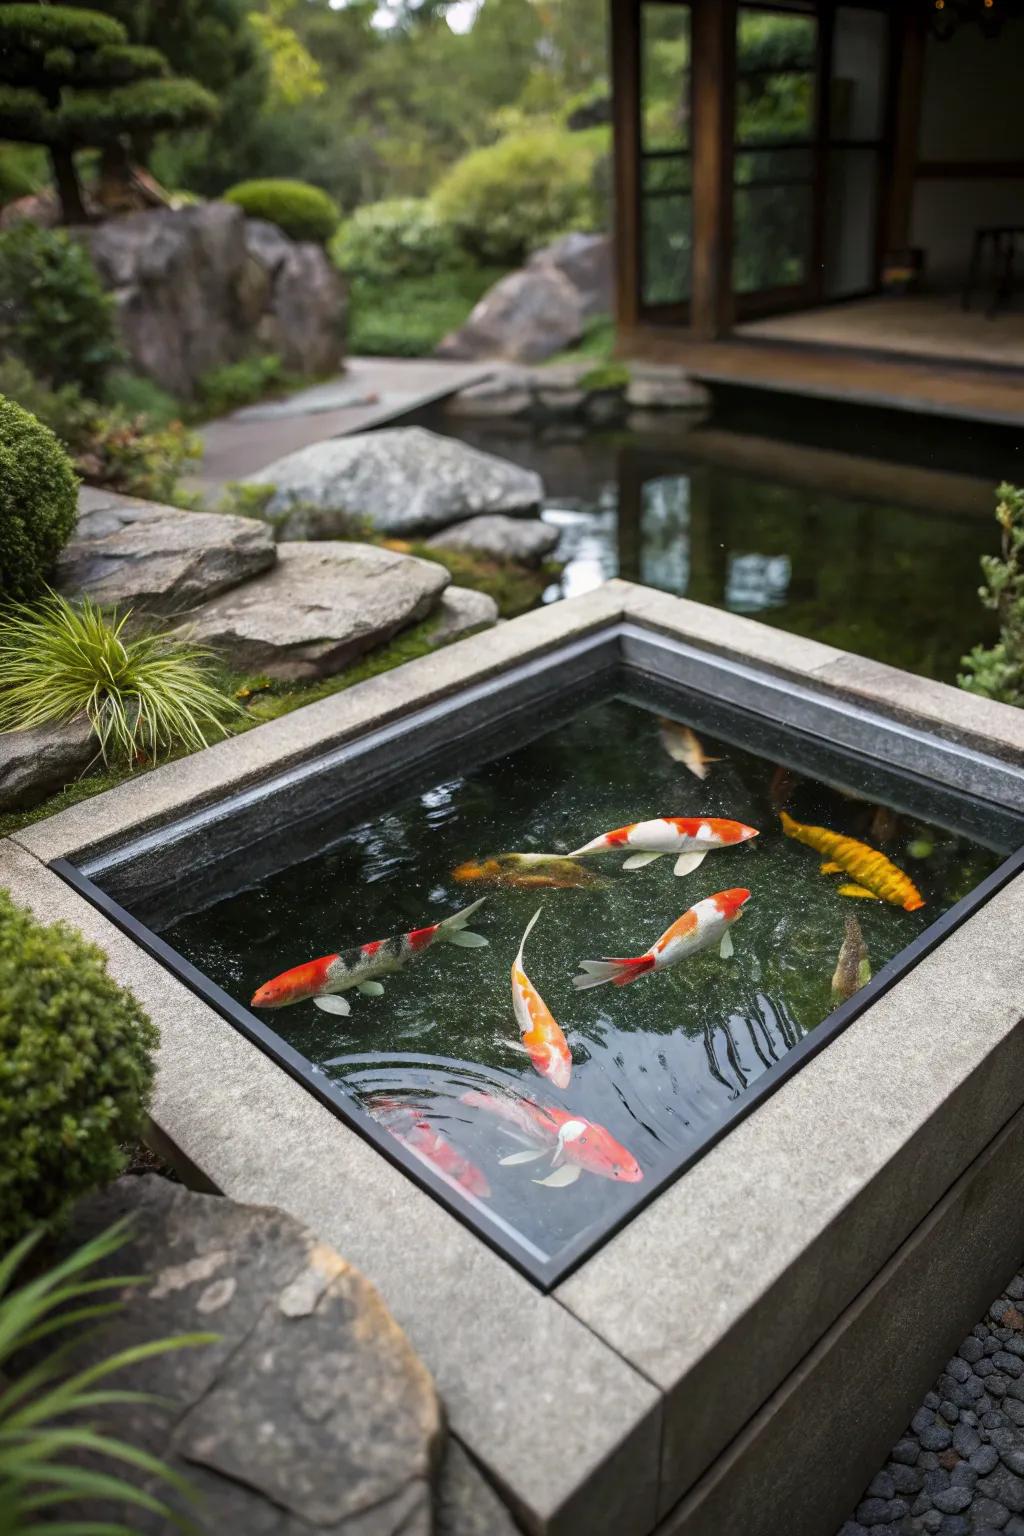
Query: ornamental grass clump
[[146, 694], [76, 1070]]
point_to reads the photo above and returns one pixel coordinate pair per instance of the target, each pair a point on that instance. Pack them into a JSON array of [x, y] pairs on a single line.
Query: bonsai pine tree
[[69, 79]]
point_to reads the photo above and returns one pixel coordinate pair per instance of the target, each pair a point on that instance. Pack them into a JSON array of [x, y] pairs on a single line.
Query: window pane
[[664, 76], [851, 221], [670, 175], [774, 165], [771, 237], [666, 249], [775, 96], [858, 73], [766, 40]]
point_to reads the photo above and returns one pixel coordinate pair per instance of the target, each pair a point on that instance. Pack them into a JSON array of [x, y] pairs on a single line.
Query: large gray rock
[[320, 607], [500, 538], [402, 480], [194, 290], [543, 308], [462, 611], [157, 559], [309, 1414], [36, 763]]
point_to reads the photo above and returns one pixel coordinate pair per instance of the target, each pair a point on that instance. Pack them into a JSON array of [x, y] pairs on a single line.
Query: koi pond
[[543, 1112]]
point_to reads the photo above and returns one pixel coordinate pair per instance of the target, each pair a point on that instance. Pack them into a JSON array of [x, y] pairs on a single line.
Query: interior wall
[[970, 111]]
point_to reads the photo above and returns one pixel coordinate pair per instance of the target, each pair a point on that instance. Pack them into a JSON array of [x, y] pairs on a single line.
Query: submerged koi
[[691, 837], [527, 871], [322, 980], [853, 968], [542, 1038], [577, 1145], [415, 1132], [706, 923], [876, 877], [683, 747]]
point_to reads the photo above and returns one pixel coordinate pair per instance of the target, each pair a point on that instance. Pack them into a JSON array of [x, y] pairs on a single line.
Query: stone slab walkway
[[959, 1468], [372, 390]]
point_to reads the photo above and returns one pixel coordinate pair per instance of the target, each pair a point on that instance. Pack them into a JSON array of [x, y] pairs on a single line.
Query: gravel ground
[[959, 1468]]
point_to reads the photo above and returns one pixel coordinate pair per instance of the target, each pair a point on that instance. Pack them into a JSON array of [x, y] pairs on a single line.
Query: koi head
[[730, 903], [596, 1150], [294, 986]]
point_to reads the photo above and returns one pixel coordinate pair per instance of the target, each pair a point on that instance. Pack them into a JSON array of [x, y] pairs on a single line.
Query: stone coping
[[595, 1408]]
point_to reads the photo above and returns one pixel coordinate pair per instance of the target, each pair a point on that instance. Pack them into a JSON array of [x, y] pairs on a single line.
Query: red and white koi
[[706, 923], [414, 1131], [684, 747], [543, 1039], [321, 981], [691, 838], [576, 1145]]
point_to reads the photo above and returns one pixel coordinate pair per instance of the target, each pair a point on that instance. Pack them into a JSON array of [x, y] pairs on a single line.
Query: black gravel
[[959, 1468]]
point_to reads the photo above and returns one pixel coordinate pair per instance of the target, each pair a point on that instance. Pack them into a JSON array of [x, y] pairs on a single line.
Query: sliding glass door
[[665, 224]]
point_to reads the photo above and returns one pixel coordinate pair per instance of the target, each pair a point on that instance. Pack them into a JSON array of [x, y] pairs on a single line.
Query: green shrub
[[510, 198], [146, 694], [76, 1070], [997, 672], [139, 396], [236, 384], [409, 316], [22, 172], [38, 501], [54, 313], [402, 237], [302, 211]]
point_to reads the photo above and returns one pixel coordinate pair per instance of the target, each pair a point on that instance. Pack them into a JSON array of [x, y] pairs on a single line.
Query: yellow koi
[[875, 877]]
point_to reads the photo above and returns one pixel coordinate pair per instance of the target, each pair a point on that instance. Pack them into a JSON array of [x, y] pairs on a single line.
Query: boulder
[[500, 538], [660, 387], [195, 290], [157, 559], [462, 611], [319, 608], [402, 480], [308, 1413], [36, 763], [585, 261]]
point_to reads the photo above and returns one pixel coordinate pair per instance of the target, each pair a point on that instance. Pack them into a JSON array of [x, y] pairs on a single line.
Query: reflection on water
[[657, 1064], [873, 557]]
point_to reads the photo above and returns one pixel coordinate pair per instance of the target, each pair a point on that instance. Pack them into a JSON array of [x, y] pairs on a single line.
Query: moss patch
[[515, 588]]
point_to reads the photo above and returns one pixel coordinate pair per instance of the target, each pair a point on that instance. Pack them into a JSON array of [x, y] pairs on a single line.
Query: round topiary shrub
[[76, 1070], [38, 500], [401, 237], [302, 211], [512, 197]]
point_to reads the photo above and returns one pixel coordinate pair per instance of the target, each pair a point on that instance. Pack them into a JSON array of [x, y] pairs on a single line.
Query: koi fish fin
[[511, 1045], [725, 949], [561, 1176], [370, 989], [831, 868], [638, 860], [621, 972], [861, 892], [569, 1132], [449, 929], [688, 862], [526, 934], [465, 938], [515, 1158], [333, 1004]]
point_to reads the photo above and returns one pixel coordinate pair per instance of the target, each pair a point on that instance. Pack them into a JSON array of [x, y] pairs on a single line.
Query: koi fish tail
[[453, 930], [526, 934], [618, 971]]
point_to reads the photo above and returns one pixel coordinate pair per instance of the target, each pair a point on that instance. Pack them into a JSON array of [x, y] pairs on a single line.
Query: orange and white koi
[[706, 923], [692, 838], [876, 877], [321, 981], [683, 747], [542, 1040], [527, 871], [414, 1131], [576, 1145]]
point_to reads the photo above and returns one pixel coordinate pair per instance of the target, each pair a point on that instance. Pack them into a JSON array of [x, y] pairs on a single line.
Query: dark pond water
[[859, 529], [657, 1063]]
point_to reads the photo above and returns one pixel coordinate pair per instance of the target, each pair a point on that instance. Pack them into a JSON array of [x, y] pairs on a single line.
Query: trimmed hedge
[[400, 237], [143, 106], [38, 501], [300, 210], [42, 27], [76, 1070]]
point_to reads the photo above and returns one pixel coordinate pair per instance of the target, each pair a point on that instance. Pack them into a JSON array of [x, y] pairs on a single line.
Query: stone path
[[959, 1468], [371, 390]]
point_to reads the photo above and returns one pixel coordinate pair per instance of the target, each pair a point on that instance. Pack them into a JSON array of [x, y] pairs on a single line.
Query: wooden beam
[[713, 110], [624, 42], [909, 39]]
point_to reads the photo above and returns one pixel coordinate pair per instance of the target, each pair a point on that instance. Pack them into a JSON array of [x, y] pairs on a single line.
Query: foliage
[[401, 237], [76, 1069], [138, 396], [515, 588], [45, 1423], [22, 171], [38, 500], [54, 313], [226, 388], [302, 211], [294, 73], [997, 672], [597, 342], [605, 376], [409, 316], [510, 198], [144, 692]]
